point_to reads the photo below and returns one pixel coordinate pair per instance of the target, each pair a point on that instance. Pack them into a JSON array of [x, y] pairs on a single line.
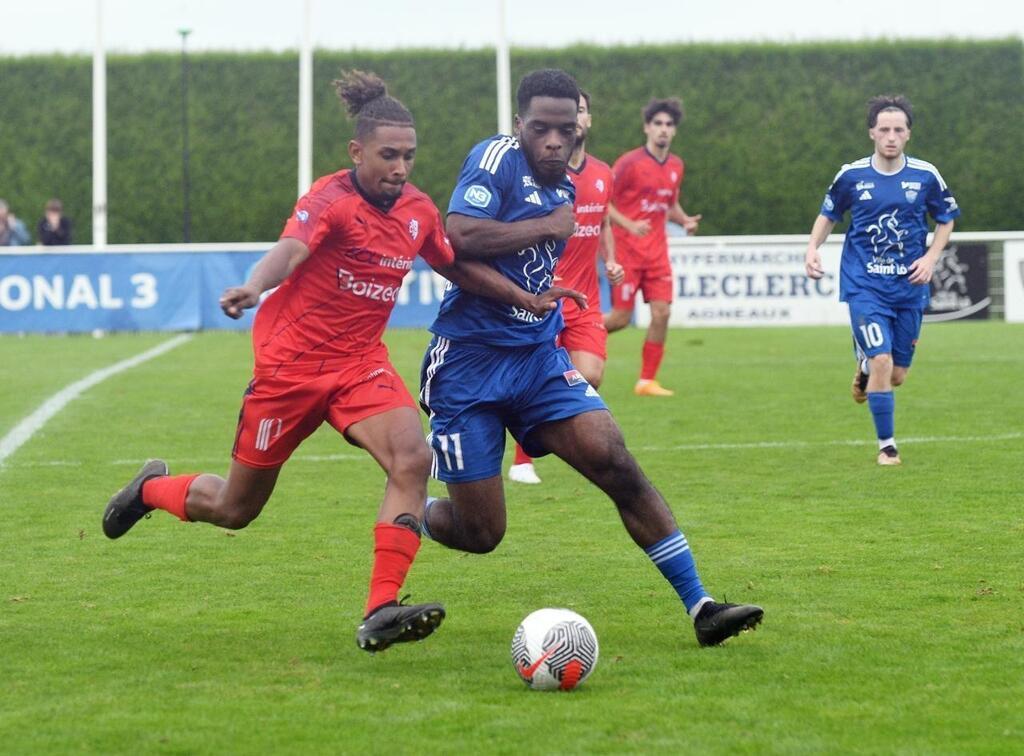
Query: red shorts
[[279, 412], [585, 332], [654, 279]]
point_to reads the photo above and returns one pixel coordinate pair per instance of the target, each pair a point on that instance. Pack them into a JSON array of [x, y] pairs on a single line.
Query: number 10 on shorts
[[872, 335], [450, 445]]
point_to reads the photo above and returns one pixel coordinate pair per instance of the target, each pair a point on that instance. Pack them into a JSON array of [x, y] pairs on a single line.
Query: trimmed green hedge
[[767, 127]]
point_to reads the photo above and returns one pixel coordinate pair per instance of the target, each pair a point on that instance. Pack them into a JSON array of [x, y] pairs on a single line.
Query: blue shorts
[[880, 329], [473, 393]]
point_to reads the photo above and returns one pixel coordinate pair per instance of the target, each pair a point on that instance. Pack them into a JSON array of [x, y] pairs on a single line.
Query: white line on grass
[[857, 442], [24, 430], [682, 447]]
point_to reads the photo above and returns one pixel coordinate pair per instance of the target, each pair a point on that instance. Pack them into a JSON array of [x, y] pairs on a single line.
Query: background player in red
[[584, 335], [646, 194], [338, 268]]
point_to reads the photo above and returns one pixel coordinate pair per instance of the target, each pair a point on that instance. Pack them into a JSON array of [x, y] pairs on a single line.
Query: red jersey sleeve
[[436, 249], [314, 216]]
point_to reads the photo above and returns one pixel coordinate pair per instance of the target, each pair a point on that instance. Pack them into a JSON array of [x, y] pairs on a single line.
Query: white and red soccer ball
[[554, 649]]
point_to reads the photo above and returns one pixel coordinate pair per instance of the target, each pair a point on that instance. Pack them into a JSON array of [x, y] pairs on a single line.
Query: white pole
[[306, 101], [504, 72], [99, 135]]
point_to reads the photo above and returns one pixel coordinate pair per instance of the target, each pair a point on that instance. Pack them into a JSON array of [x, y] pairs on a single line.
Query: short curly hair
[[670, 106], [547, 82], [883, 103]]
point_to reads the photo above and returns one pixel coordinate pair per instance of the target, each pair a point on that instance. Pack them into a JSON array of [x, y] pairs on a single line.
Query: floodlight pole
[[186, 183], [306, 101], [99, 135], [504, 75]]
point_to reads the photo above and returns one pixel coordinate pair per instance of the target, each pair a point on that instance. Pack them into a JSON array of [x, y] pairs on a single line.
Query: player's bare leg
[[590, 365], [472, 518], [395, 440], [231, 503], [592, 443], [616, 319], [880, 400], [654, 349]]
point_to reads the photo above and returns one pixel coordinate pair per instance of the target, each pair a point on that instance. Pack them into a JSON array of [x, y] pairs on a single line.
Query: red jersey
[[645, 188], [576, 268], [336, 303]]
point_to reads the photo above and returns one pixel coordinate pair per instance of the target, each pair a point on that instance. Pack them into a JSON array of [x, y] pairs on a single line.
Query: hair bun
[[358, 88]]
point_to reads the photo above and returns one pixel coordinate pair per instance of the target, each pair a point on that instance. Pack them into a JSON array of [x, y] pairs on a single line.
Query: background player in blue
[[886, 267], [491, 366]]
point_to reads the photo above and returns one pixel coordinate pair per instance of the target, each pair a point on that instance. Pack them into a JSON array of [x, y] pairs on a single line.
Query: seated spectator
[[12, 231], [55, 227]]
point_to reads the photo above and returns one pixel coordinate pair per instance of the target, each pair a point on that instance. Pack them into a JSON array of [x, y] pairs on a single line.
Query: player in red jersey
[[646, 194], [584, 335], [338, 268]]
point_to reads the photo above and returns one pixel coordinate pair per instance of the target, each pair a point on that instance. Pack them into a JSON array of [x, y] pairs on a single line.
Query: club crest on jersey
[[911, 195], [414, 228], [302, 216], [477, 196], [674, 175], [599, 185], [574, 377], [562, 193]]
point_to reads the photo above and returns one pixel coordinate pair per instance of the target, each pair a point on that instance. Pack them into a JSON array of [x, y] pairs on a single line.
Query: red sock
[[394, 548], [168, 493], [652, 355], [521, 457]]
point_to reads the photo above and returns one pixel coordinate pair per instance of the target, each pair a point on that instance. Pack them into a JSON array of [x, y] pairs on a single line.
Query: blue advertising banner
[[155, 290], [109, 291]]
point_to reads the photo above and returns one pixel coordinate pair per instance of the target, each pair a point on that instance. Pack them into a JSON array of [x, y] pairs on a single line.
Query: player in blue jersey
[[492, 367], [886, 264]]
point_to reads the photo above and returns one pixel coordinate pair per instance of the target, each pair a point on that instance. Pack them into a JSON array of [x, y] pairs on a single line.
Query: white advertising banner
[[1013, 281], [732, 282]]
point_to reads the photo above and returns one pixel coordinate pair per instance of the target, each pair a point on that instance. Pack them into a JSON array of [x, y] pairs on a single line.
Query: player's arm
[[640, 227], [676, 214], [483, 280], [606, 249], [823, 226], [270, 271], [922, 268], [483, 238]]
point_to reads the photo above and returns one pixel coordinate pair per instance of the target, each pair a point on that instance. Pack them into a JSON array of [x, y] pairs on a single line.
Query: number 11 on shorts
[[456, 448]]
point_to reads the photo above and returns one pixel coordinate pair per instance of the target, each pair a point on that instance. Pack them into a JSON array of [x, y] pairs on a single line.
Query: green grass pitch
[[894, 597]]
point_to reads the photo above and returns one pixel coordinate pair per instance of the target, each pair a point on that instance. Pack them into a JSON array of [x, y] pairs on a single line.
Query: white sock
[[695, 609], [884, 442]]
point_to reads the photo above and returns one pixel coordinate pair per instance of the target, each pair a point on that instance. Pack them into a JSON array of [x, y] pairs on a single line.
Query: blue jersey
[[888, 227], [496, 183]]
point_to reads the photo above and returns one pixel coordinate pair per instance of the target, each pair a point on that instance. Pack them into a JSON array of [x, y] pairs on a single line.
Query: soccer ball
[[554, 649]]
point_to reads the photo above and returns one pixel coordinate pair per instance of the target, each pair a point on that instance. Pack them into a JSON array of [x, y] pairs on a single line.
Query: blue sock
[[672, 556], [883, 408]]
